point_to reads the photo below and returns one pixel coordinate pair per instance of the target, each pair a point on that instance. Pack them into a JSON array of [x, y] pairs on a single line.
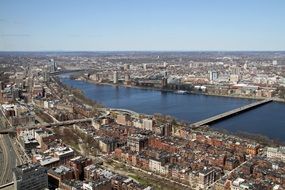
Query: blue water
[[268, 120]]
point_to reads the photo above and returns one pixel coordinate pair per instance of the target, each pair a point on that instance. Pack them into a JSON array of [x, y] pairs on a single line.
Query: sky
[[142, 25]]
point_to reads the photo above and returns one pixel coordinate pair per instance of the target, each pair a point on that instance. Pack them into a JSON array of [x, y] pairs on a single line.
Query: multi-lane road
[[10, 156], [9, 159]]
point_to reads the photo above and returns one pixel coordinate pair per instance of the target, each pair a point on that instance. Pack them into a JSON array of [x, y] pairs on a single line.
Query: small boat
[[181, 92]]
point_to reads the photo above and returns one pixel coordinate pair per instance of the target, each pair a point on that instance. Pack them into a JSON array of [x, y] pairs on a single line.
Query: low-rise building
[[78, 164], [27, 140], [99, 184], [107, 145], [137, 142], [123, 119], [276, 153], [63, 153], [57, 174], [207, 176]]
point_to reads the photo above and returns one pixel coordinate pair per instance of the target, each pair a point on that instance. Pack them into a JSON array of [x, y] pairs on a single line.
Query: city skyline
[[142, 95], [142, 26]]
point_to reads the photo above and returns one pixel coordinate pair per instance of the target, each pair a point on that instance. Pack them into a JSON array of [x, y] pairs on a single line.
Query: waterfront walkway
[[230, 113]]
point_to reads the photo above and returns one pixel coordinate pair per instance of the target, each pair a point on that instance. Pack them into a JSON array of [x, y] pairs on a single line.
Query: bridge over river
[[230, 113]]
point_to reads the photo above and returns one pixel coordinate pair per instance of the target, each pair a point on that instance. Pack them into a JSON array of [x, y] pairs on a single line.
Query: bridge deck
[[231, 112]]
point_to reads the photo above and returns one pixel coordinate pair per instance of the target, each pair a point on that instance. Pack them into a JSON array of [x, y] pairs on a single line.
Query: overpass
[[6, 186], [230, 113], [124, 111], [68, 122], [48, 125], [57, 123], [61, 123]]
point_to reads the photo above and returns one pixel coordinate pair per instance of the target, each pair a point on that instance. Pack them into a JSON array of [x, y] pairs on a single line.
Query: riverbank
[[173, 91], [129, 86], [186, 108]]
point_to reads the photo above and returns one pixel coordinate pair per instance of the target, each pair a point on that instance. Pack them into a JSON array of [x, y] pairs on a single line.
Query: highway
[[9, 159]]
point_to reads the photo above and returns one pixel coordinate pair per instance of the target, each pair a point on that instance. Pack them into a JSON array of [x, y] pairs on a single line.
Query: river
[[267, 120]]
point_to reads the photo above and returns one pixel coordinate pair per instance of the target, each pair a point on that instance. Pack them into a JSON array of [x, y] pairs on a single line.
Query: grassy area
[[68, 136], [46, 118], [147, 180], [78, 94], [74, 138], [144, 181], [156, 183]]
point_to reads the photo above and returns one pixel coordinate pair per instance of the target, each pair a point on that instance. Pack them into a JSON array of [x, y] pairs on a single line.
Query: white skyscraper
[[115, 77], [145, 67], [213, 75]]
